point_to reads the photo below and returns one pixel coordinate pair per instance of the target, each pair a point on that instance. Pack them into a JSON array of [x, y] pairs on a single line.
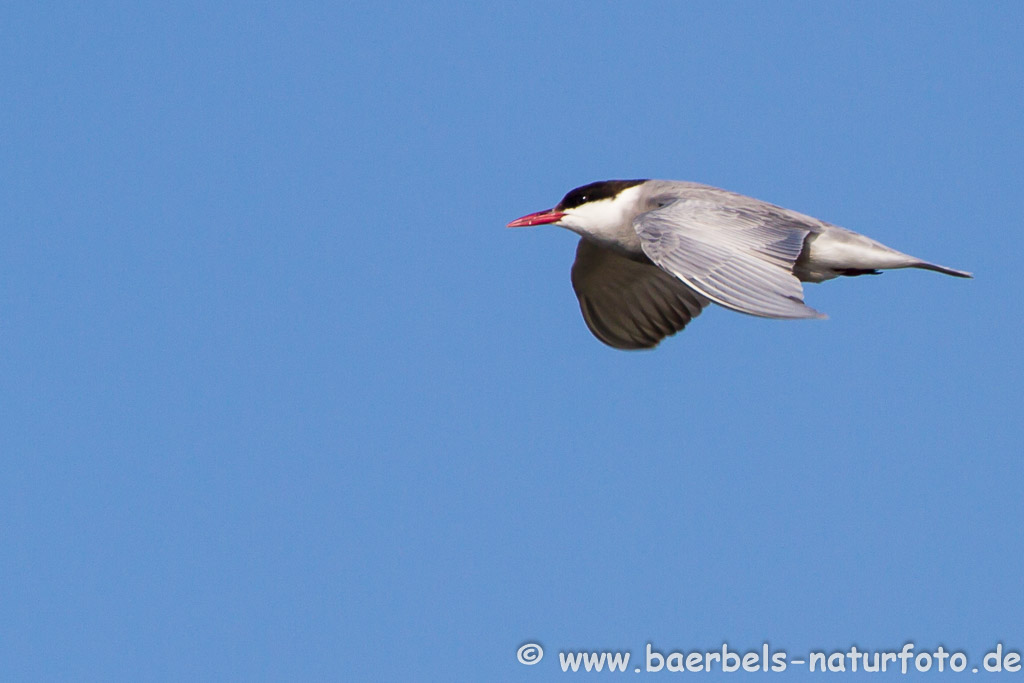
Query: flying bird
[[654, 253]]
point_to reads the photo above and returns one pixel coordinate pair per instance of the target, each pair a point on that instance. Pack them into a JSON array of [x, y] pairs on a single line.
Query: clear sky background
[[281, 398]]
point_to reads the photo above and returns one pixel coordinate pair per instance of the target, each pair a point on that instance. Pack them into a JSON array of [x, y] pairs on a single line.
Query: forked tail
[[941, 269]]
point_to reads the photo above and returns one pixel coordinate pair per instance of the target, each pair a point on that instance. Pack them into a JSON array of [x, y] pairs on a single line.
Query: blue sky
[[281, 398]]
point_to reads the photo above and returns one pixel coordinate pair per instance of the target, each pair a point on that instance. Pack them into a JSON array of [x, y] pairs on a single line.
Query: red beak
[[539, 218]]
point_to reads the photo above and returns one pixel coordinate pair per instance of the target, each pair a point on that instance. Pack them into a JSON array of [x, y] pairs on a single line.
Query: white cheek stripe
[[607, 220]]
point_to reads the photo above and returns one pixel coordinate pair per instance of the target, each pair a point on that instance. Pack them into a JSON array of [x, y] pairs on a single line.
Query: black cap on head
[[603, 189]]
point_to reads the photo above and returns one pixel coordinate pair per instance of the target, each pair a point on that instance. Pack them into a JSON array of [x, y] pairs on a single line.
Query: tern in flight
[[654, 253]]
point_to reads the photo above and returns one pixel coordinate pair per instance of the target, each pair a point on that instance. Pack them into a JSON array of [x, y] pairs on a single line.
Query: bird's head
[[592, 209]]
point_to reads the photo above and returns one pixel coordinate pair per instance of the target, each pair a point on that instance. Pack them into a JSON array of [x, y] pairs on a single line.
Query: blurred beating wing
[[628, 304], [739, 257]]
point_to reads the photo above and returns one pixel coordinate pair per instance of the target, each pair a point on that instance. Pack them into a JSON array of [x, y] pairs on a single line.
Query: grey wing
[[630, 304], [738, 256]]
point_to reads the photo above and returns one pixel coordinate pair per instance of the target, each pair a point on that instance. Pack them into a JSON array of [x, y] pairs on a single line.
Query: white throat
[[609, 221]]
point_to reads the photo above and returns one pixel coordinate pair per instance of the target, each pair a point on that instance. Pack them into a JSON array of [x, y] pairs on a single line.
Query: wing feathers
[[741, 258], [630, 304]]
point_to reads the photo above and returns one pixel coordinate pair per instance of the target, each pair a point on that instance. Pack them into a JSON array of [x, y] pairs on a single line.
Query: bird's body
[[653, 253]]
